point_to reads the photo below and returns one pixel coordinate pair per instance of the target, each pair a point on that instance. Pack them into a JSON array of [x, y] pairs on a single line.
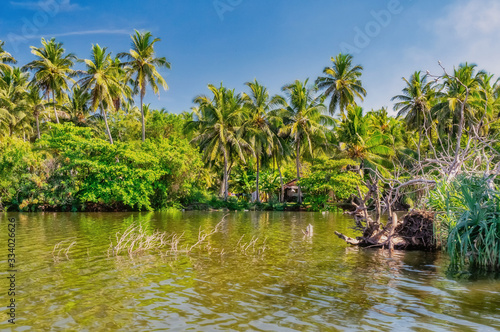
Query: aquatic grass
[[136, 240], [59, 248], [470, 215]]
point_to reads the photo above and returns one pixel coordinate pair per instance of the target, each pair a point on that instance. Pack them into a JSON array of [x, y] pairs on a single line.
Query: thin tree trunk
[[298, 172], [106, 123], [143, 121], [257, 182], [222, 190], [37, 127], [54, 101], [226, 191], [282, 194]]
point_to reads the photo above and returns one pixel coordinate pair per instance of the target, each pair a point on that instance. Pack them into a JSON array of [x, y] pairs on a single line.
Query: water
[[293, 284]]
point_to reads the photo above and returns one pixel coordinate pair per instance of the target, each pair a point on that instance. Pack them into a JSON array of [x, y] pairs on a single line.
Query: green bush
[[68, 169], [328, 183]]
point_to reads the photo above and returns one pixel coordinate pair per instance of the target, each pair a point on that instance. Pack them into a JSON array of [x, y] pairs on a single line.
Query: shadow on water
[[296, 283]]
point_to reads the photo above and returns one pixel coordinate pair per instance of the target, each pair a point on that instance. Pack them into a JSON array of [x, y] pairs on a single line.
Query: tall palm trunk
[[282, 194], [37, 126], [257, 180], [298, 171], [143, 92], [106, 123], [222, 186], [226, 191], [54, 101]]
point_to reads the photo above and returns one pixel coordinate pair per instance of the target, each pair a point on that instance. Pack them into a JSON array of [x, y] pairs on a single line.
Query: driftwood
[[415, 231]]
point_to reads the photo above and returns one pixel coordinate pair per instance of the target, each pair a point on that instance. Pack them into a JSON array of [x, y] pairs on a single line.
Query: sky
[[275, 42]]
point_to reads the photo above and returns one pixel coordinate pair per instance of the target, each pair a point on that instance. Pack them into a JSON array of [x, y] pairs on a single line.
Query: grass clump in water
[[469, 212]]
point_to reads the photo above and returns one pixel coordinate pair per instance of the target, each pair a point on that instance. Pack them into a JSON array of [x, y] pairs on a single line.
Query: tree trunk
[[106, 123], [226, 191], [298, 172], [222, 183], [282, 194], [142, 116], [257, 181], [37, 126], [54, 101]]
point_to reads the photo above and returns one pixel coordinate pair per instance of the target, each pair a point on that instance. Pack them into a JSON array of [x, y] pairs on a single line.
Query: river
[[283, 281]]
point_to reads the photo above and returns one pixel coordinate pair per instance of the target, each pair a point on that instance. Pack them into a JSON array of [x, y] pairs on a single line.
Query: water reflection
[[297, 284]]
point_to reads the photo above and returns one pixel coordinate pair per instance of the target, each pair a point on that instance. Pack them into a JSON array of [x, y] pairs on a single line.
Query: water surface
[[290, 283]]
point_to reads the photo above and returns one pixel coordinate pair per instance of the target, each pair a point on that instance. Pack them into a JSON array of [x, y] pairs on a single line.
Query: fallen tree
[[472, 154]]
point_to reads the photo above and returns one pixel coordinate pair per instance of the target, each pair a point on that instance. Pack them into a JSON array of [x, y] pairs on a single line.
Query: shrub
[[469, 211]]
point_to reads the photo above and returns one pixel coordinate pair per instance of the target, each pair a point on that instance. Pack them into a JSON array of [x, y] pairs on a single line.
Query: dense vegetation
[[75, 135]]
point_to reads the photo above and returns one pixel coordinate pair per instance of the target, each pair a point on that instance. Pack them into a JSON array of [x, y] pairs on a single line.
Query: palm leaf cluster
[[77, 95]]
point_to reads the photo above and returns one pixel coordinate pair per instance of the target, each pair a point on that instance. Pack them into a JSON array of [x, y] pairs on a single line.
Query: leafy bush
[[21, 172], [69, 169], [329, 181]]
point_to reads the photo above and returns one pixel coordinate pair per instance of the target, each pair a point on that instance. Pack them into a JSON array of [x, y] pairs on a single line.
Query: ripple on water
[[295, 285]]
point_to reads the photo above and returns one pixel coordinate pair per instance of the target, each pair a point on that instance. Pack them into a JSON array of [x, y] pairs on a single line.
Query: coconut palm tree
[[5, 57], [415, 102], [52, 70], [126, 93], [78, 105], [359, 141], [257, 127], [342, 83], [143, 63], [101, 80], [448, 109], [36, 104], [486, 102], [218, 122], [13, 115], [302, 111]]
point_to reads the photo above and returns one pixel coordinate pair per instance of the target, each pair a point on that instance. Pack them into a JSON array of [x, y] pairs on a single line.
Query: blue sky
[[234, 41]]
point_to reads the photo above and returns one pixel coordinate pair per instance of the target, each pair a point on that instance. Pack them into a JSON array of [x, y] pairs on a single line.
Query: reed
[[61, 248]]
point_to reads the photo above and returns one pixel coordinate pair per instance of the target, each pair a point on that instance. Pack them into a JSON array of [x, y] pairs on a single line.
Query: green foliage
[[470, 213], [81, 172], [19, 166], [330, 181]]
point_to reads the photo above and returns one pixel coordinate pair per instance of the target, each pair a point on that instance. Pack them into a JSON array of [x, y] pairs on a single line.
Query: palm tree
[[78, 105], [143, 63], [53, 69], [100, 79], [448, 109], [359, 141], [125, 95], [303, 119], [342, 83], [5, 57], [35, 103], [257, 126], [415, 103], [485, 103], [218, 123], [13, 115]]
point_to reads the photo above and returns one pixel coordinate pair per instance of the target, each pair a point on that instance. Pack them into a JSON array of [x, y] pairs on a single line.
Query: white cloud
[[471, 18], [61, 5], [470, 31], [466, 31]]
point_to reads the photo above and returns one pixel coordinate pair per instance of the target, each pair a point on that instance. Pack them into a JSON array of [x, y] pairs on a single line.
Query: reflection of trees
[[318, 284]]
